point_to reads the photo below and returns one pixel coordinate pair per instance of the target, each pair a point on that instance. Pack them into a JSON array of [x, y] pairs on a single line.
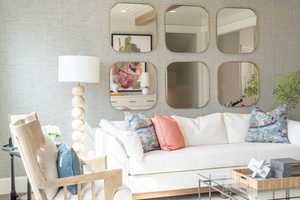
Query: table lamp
[[78, 69]]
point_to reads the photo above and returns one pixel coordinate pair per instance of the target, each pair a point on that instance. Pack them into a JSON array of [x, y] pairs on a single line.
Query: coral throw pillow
[[168, 133]]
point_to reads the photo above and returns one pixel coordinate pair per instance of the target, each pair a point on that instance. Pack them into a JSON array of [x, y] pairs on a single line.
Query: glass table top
[[231, 189]]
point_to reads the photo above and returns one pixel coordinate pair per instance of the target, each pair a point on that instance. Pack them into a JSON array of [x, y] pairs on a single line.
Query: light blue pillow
[[268, 127], [68, 164], [144, 127]]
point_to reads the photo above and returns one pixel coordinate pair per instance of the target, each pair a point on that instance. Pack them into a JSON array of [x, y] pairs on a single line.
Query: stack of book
[[285, 167]]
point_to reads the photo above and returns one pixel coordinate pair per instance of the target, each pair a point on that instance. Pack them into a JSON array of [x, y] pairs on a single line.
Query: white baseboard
[[21, 185]]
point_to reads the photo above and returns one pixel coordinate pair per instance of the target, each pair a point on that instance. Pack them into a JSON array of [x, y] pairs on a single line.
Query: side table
[[13, 152]]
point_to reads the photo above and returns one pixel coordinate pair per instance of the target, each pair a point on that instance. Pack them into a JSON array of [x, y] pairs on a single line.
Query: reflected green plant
[[253, 85]]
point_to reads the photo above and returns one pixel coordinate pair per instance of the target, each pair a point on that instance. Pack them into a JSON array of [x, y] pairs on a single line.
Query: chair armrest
[[112, 183], [115, 175]]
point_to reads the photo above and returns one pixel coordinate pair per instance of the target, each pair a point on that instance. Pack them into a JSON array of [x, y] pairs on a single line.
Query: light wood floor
[[4, 197], [7, 197]]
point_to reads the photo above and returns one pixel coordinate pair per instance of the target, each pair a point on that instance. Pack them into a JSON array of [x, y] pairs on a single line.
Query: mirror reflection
[[187, 85], [187, 29], [238, 84], [133, 27], [237, 30], [133, 85]]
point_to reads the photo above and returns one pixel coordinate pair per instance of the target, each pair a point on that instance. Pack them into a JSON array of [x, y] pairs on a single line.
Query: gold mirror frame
[[258, 79], [208, 26], [256, 36]]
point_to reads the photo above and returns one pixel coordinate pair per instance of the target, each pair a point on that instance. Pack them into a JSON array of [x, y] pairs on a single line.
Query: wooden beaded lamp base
[[78, 123]]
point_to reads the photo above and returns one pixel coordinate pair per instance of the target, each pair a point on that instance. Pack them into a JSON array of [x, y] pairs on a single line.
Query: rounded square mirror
[[237, 30], [238, 84], [187, 85], [133, 27], [133, 85], [187, 29]]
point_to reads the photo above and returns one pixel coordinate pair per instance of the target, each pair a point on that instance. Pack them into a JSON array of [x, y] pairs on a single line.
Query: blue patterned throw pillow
[[268, 127], [68, 164], [144, 127]]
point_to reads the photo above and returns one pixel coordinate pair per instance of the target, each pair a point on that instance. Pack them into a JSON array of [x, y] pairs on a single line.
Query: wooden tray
[[244, 176]]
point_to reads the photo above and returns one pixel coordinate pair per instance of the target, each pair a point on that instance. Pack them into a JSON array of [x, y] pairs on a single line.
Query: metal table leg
[[199, 189], [209, 188], [28, 190], [13, 193]]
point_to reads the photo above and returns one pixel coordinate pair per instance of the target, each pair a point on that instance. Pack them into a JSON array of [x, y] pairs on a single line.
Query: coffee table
[[230, 189]]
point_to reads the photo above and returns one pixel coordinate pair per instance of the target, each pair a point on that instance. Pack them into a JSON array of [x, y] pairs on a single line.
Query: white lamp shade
[[84, 69], [145, 79]]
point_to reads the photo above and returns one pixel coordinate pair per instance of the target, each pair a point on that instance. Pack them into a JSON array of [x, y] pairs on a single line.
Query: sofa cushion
[[209, 129], [144, 128], [168, 133], [236, 126], [211, 156], [294, 132], [269, 127]]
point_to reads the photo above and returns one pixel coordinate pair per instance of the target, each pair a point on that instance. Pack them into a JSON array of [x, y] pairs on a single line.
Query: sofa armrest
[[109, 145], [115, 148]]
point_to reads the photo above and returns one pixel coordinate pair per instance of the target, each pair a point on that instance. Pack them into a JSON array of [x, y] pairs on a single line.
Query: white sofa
[[214, 145]]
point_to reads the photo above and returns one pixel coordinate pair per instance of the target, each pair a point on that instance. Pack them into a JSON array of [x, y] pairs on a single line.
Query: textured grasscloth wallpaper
[[33, 33]]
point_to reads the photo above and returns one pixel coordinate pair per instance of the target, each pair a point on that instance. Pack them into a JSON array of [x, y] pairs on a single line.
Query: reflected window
[[187, 85]]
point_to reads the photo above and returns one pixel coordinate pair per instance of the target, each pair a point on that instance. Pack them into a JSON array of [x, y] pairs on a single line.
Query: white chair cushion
[[294, 132], [38, 152], [129, 139], [123, 193], [209, 129], [236, 126], [211, 156], [46, 157]]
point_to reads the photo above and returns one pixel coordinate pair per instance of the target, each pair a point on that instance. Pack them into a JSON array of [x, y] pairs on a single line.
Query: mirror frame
[[154, 40], [209, 85], [208, 28], [259, 80], [156, 88], [256, 36]]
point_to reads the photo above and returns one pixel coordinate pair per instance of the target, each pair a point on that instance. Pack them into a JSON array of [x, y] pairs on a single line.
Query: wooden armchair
[[30, 141]]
